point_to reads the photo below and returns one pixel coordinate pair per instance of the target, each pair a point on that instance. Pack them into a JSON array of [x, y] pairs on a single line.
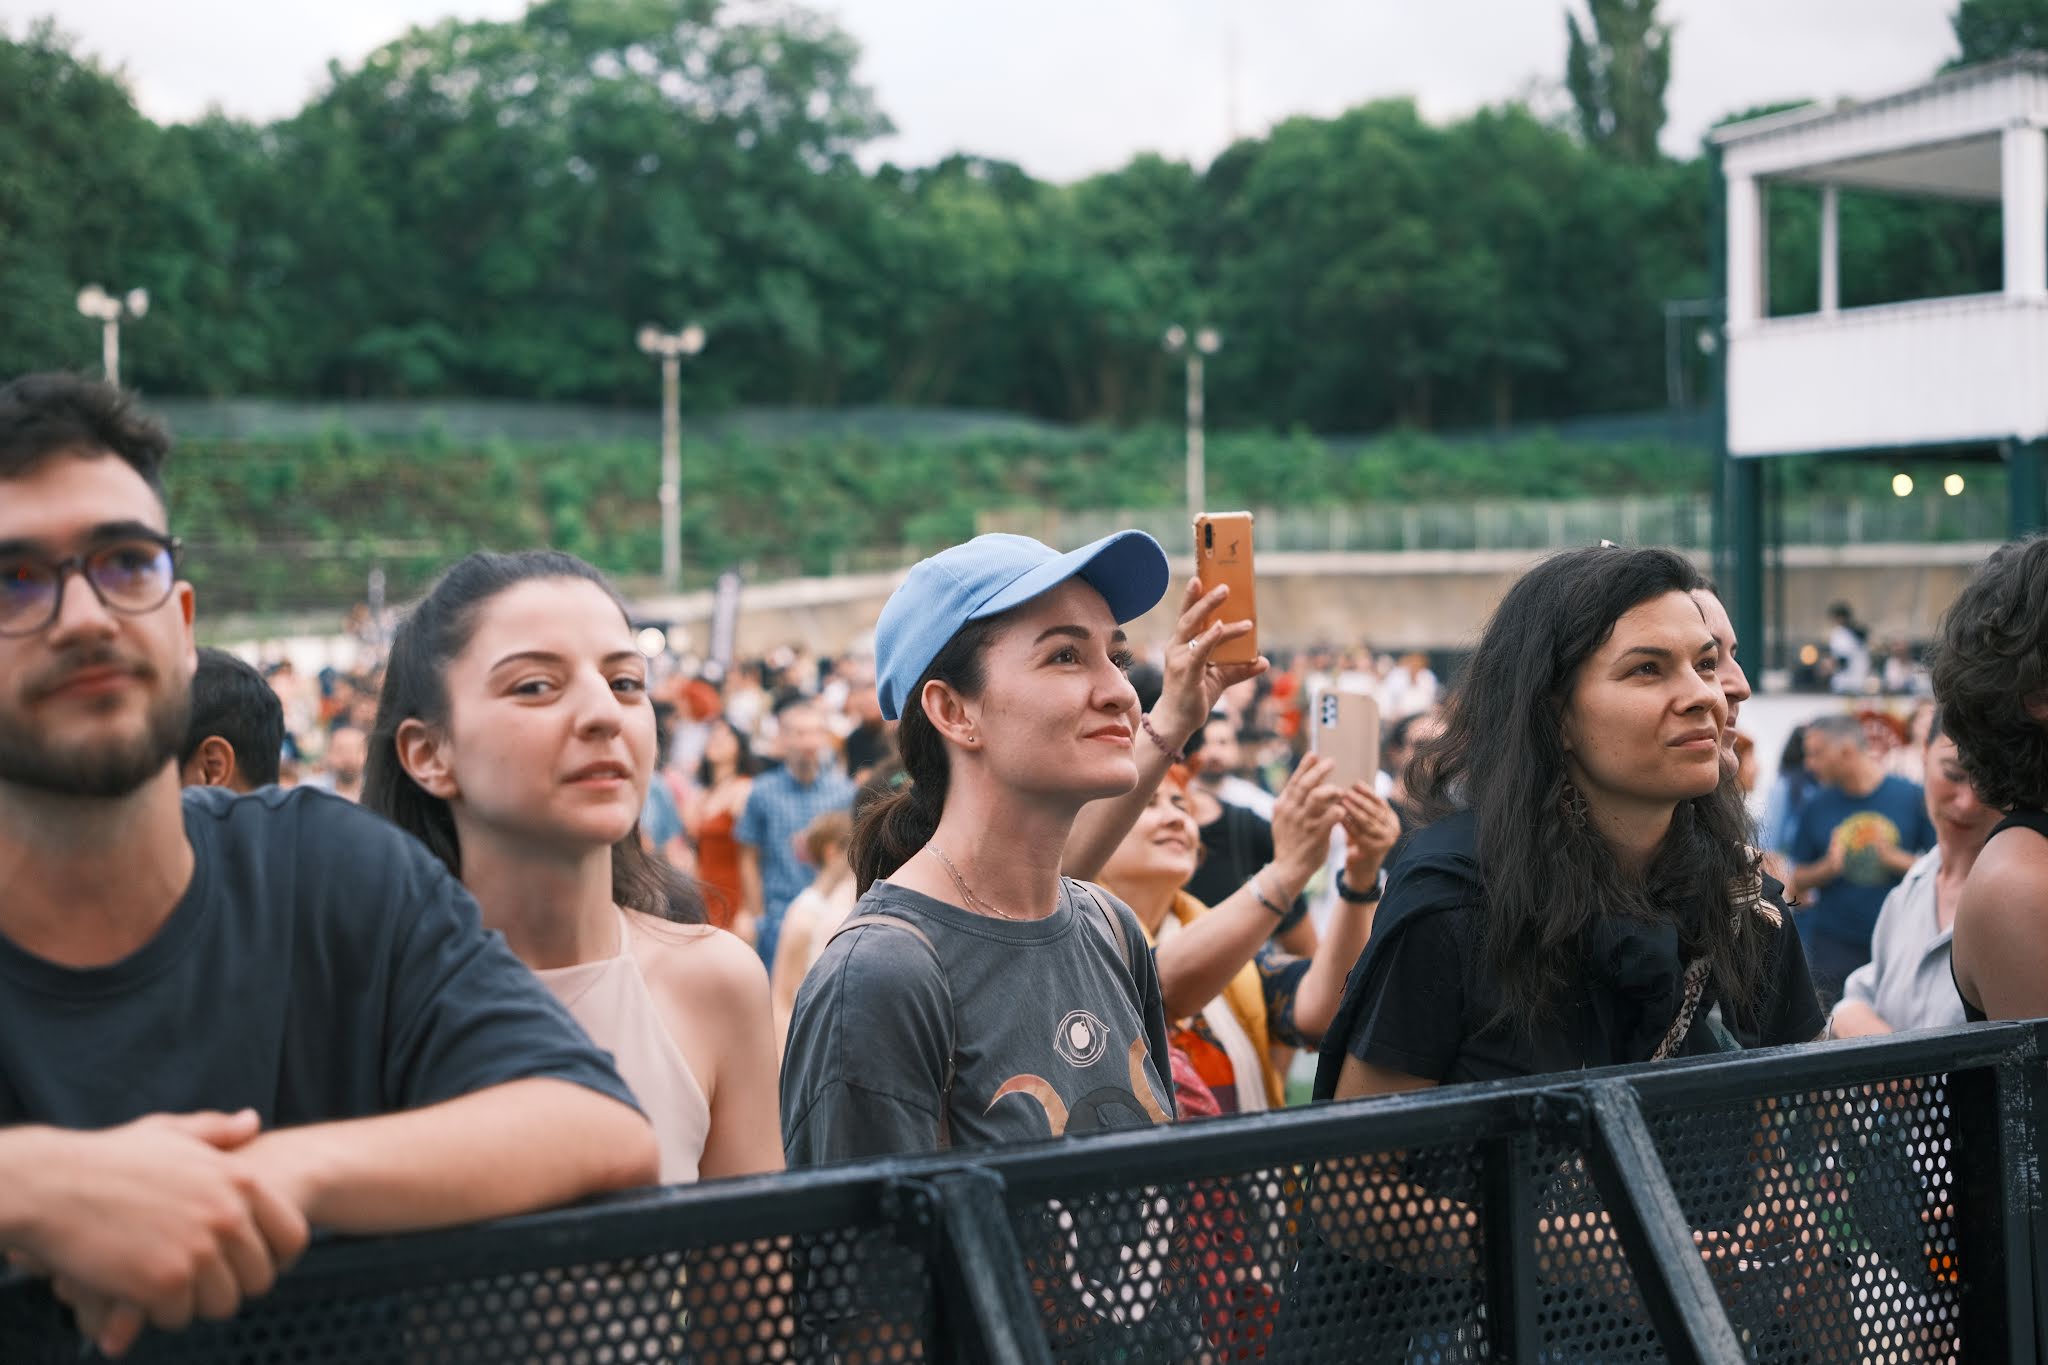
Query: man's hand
[[1370, 831], [159, 1220], [1854, 1019], [1192, 685]]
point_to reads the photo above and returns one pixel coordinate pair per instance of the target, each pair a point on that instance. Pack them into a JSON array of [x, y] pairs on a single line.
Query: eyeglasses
[[131, 575]]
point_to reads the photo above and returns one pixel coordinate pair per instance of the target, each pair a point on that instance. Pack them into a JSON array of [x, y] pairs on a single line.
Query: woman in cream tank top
[[515, 739]]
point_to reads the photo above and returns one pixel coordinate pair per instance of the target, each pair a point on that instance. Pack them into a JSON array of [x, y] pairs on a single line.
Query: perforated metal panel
[[1354, 1258], [1801, 1207], [1828, 1218], [858, 1297]]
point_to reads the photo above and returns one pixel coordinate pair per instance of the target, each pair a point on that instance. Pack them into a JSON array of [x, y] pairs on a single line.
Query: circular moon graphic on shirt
[[1081, 1039]]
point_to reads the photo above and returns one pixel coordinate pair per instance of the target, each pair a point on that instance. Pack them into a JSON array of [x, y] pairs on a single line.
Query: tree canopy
[[491, 209]]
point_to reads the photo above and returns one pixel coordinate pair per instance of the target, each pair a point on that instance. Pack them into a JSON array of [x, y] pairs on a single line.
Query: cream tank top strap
[[611, 1000]]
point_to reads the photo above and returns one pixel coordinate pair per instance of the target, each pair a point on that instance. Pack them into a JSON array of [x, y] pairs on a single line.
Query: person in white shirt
[[1907, 983]]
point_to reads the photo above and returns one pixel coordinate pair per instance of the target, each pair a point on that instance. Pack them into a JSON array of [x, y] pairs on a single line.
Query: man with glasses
[[224, 1019]]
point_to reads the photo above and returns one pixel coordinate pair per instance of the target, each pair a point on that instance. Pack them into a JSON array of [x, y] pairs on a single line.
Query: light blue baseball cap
[[989, 575]]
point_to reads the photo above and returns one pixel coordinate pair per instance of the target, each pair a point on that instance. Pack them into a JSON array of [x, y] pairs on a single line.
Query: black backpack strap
[[946, 1089]]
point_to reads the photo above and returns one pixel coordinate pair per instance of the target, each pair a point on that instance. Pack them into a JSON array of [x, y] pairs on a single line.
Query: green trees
[[491, 208], [1990, 29], [1617, 73]]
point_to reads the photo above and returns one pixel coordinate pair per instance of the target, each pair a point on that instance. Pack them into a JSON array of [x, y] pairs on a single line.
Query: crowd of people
[[514, 917]]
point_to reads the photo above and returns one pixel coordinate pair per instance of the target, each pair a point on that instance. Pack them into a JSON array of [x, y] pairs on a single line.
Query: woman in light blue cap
[[975, 994]]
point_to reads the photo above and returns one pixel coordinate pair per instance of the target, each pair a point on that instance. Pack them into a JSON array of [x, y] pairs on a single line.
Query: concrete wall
[[1417, 600]]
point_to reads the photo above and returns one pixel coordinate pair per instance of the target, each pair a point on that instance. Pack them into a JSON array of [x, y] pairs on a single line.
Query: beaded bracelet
[[1145, 724]]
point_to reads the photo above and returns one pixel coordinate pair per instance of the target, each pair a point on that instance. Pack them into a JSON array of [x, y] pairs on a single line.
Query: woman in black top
[[1586, 892], [1991, 678]]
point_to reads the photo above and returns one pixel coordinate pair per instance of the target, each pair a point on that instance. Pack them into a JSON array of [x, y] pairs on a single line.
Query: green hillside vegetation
[[288, 524]]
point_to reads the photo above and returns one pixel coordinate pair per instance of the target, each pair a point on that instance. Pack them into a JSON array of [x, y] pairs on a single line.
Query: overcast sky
[[1070, 87]]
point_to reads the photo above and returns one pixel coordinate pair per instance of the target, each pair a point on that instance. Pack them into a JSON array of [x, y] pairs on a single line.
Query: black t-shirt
[[1238, 842], [1417, 1003], [320, 966]]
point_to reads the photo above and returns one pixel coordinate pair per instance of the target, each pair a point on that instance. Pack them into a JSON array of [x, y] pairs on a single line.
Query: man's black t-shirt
[[1238, 843], [321, 965], [1417, 1002]]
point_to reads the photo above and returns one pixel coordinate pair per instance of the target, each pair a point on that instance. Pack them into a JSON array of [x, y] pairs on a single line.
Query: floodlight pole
[[108, 310], [670, 348], [1205, 342]]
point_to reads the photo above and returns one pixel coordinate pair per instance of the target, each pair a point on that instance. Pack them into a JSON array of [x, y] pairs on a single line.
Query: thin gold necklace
[[974, 902]]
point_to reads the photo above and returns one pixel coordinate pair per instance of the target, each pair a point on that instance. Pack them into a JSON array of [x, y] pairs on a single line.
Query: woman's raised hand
[[1304, 813], [1193, 684]]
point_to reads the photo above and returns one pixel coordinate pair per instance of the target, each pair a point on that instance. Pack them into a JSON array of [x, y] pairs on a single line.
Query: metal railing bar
[[1693, 1082], [1654, 1232], [987, 1310]]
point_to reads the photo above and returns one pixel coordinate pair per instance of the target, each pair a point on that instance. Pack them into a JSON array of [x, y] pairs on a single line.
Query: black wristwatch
[[1347, 892]]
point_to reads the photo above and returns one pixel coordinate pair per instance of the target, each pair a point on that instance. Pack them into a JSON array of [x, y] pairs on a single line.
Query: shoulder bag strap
[[946, 1089], [1695, 985], [1113, 926]]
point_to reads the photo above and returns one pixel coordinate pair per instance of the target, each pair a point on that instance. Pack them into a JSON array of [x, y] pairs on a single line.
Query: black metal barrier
[[1870, 1201]]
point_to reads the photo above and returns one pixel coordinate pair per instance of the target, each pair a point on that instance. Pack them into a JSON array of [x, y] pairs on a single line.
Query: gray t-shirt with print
[[1049, 1031]]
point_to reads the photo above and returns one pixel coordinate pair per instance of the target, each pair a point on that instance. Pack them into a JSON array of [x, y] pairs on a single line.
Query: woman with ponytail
[[515, 739], [975, 994]]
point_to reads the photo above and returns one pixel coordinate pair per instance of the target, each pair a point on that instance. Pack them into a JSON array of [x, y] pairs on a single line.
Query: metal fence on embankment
[[1870, 1201]]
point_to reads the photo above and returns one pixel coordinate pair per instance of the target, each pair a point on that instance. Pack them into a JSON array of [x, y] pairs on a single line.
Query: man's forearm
[[1854, 1019], [524, 1145]]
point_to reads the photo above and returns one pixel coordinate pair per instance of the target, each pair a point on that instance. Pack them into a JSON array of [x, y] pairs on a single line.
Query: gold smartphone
[[1223, 554], [1344, 727]]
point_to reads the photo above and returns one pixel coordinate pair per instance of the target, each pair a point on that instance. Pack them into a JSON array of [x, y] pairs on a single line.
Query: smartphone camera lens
[[1209, 537]]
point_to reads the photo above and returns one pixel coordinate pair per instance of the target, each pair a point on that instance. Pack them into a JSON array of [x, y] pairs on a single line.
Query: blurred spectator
[[808, 783], [816, 913], [661, 821], [1848, 652], [348, 749], [1236, 842], [1904, 675], [869, 744], [725, 778], [1790, 791], [235, 737], [1908, 757], [1908, 984], [1223, 771], [1859, 833]]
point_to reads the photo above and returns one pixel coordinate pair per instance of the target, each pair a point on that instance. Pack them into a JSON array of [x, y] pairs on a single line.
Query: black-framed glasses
[[130, 573]]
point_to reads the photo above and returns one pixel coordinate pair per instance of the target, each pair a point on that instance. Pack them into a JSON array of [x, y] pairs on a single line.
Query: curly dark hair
[[1501, 754], [46, 415], [1991, 675]]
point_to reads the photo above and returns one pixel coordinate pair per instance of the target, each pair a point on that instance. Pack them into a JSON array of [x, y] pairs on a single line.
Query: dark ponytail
[[416, 688], [896, 817]]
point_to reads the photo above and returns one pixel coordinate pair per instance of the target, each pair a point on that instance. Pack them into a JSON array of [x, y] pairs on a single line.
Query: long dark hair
[[1501, 754], [744, 764], [416, 688], [893, 820]]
